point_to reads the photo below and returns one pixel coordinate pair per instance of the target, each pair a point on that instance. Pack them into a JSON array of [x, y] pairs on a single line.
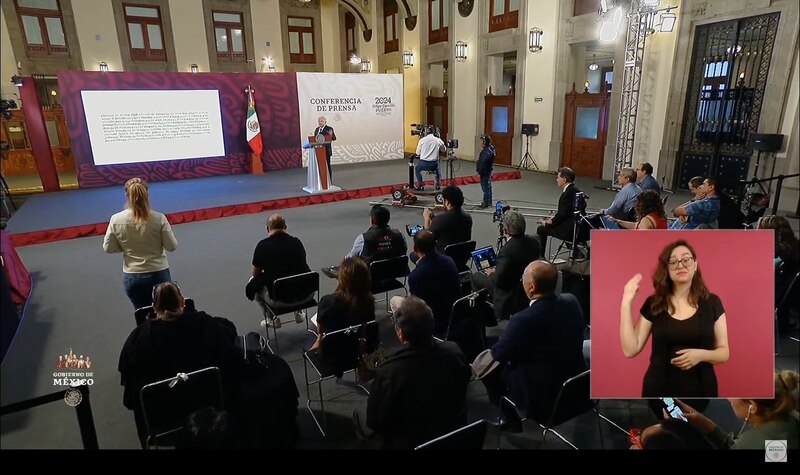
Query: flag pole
[[256, 167]]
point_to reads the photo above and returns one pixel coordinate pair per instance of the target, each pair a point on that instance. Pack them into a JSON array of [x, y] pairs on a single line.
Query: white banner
[[365, 111]]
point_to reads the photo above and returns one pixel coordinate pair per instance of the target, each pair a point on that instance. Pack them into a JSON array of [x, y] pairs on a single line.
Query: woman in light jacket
[[142, 236]]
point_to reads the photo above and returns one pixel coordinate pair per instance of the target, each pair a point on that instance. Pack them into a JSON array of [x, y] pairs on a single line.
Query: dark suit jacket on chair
[[541, 348], [509, 296], [565, 215]]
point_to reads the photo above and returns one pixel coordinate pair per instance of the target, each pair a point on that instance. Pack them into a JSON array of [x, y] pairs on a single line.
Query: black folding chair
[[469, 437], [290, 294], [572, 401], [461, 253], [469, 317], [166, 404], [385, 276], [339, 353]]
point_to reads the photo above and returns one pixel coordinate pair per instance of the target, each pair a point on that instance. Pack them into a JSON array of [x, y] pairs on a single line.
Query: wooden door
[[19, 157], [499, 124], [437, 114], [585, 130]]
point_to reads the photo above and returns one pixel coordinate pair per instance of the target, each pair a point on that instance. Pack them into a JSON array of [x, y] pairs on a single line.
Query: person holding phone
[[688, 324], [768, 419]]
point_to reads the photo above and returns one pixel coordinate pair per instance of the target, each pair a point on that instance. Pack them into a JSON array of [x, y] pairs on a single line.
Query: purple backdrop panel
[[276, 105]]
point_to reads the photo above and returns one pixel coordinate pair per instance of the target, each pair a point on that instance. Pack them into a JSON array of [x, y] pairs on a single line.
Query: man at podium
[[330, 136]]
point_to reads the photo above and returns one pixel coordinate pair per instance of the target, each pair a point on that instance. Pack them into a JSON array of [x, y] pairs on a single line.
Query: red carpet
[[99, 229]]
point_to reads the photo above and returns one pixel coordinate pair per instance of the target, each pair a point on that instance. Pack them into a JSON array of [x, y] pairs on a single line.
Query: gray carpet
[[78, 303]]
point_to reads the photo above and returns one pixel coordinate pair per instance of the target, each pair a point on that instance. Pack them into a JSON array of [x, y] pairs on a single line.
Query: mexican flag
[[252, 126]]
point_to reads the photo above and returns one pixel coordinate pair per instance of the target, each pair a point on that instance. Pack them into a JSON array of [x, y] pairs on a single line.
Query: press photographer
[[451, 227], [428, 150], [484, 167]]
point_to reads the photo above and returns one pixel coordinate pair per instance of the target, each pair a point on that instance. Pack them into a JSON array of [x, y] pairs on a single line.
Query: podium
[[319, 180]]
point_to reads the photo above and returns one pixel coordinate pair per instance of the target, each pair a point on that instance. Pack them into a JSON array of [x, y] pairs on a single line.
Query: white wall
[[331, 36], [540, 82], [189, 31], [8, 63], [97, 34], [789, 158], [464, 99], [267, 28]]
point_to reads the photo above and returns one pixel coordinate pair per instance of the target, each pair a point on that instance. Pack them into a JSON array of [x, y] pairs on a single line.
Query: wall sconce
[[586, 86], [355, 60], [16, 80], [461, 51], [103, 67], [195, 68], [366, 65], [408, 59], [535, 39], [667, 22]]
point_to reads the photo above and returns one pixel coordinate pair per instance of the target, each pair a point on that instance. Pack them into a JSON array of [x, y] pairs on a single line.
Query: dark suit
[[541, 348], [561, 227], [507, 292], [330, 136]]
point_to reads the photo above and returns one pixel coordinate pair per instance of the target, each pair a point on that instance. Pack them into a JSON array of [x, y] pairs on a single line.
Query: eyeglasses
[[685, 262]]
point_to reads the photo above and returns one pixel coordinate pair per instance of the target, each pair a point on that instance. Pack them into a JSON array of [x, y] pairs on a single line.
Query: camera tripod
[[501, 239], [5, 197], [449, 175], [527, 160]]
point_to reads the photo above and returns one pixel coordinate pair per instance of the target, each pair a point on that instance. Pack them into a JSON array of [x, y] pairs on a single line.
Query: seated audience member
[[768, 419], [625, 200], [645, 178], [278, 255], [419, 392], [504, 281], [434, 280], [540, 349], [454, 225], [649, 213], [787, 246], [561, 224], [351, 304], [176, 341], [207, 429], [674, 434], [704, 212], [379, 241], [694, 188]]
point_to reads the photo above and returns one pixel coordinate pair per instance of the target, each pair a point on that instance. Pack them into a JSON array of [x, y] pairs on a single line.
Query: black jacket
[[419, 394], [327, 130], [485, 161], [541, 348], [509, 295], [566, 206], [382, 242]]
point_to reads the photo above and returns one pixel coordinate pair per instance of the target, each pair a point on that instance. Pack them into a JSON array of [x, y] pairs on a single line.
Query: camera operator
[[428, 150], [484, 167], [504, 280], [451, 227]]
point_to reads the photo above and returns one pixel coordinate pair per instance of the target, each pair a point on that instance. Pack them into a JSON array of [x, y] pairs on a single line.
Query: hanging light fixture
[[366, 66], [461, 51], [593, 66], [195, 68], [535, 39], [103, 67], [408, 59], [355, 60], [667, 22]]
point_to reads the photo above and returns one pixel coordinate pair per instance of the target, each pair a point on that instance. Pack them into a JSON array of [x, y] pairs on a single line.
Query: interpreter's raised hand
[[631, 289]]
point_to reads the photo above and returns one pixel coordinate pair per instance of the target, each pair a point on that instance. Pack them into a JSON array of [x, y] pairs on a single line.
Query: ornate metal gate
[[729, 71]]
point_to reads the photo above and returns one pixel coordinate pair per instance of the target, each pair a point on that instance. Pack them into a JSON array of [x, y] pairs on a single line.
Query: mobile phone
[[672, 408], [635, 437]]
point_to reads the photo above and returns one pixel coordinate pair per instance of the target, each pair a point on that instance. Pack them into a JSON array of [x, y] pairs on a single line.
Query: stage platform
[[72, 214]]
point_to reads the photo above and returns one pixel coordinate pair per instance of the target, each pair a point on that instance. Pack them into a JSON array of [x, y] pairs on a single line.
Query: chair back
[[461, 253], [469, 437], [295, 288], [341, 349], [469, 318], [791, 289], [572, 400], [168, 403], [388, 269]]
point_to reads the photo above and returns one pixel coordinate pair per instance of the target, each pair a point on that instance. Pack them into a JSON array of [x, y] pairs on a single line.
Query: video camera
[[499, 211], [452, 143], [6, 106], [422, 130]]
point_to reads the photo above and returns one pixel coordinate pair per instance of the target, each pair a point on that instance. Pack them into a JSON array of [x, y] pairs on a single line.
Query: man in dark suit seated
[[540, 349], [434, 280], [420, 391], [560, 225], [503, 281]]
